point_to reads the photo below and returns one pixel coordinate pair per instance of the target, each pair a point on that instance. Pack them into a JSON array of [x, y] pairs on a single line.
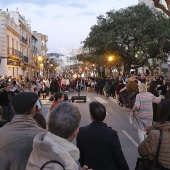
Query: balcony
[[44, 37], [34, 48], [15, 52], [25, 59], [44, 48], [24, 40]]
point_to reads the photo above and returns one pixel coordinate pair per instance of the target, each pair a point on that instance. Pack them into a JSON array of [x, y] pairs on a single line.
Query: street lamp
[[109, 60], [39, 58]]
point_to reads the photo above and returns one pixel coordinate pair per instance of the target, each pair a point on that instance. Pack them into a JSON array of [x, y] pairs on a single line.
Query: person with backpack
[[56, 144]]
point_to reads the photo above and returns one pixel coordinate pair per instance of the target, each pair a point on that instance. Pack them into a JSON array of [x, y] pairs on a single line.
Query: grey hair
[[64, 120]]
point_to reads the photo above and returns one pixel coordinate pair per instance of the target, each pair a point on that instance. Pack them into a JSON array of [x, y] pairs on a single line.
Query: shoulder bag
[[52, 161], [146, 164]]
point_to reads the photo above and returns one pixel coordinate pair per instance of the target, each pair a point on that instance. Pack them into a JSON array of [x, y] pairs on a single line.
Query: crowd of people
[[31, 142]]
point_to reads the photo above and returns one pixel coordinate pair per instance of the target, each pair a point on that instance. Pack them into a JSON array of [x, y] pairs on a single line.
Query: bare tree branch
[[162, 7]]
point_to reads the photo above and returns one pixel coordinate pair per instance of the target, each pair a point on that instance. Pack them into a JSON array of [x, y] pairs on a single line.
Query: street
[[117, 117]]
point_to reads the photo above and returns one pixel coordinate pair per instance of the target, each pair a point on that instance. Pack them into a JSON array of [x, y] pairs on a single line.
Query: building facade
[[10, 55], [19, 47], [42, 51]]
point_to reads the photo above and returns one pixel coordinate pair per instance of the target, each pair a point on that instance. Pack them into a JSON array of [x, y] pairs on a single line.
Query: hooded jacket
[[46, 147]]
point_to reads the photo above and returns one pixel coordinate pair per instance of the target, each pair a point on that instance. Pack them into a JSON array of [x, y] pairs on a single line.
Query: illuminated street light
[[39, 58], [109, 60]]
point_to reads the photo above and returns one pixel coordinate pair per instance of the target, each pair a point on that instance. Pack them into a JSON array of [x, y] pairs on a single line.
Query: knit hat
[[24, 101]]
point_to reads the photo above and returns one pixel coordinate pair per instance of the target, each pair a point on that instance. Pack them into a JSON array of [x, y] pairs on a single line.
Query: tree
[[162, 7], [131, 33], [98, 60]]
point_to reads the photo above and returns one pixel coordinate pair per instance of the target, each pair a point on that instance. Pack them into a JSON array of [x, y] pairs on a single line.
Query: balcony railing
[[23, 39], [25, 59], [34, 48], [14, 52], [44, 48]]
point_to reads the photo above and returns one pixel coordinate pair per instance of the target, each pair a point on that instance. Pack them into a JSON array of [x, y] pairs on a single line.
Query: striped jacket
[[143, 116]]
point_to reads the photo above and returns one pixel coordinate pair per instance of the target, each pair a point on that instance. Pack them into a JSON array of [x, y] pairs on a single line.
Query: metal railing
[[23, 39]]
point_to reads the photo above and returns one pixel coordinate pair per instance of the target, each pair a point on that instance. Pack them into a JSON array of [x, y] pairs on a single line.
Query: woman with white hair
[[142, 111]]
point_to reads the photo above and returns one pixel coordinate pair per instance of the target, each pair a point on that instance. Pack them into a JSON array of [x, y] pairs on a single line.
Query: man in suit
[[99, 144]]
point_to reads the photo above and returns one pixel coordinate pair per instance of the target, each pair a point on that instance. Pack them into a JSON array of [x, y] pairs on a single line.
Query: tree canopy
[[135, 34]]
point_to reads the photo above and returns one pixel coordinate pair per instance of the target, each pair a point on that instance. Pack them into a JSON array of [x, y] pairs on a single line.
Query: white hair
[[142, 88]]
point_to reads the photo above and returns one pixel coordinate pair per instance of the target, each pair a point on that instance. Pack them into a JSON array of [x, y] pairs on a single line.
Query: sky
[[66, 22]]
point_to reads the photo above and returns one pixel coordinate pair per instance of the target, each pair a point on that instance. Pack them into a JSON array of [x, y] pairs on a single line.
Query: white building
[[42, 49], [9, 46], [18, 47], [25, 41]]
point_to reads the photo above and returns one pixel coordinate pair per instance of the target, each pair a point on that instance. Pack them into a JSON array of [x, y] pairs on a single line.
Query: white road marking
[[44, 101], [130, 138], [99, 99], [107, 113], [88, 99]]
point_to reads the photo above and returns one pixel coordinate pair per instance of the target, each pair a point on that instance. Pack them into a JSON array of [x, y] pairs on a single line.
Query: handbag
[[147, 164], [52, 161], [51, 98]]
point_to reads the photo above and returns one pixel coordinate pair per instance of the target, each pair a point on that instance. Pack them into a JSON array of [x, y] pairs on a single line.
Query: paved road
[[117, 118]]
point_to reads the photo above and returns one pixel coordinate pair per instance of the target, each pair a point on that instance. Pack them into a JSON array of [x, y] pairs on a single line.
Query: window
[[17, 52], [7, 45], [12, 46], [13, 71], [17, 71], [17, 45]]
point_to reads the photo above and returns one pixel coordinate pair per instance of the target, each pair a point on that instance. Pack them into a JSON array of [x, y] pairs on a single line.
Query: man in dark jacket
[[163, 87], [99, 144], [54, 86], [5, 102]]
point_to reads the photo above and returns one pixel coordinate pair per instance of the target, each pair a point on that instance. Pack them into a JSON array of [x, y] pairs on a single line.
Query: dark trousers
[[125, 99], [101, 90], [47, 91], [8, 112]]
